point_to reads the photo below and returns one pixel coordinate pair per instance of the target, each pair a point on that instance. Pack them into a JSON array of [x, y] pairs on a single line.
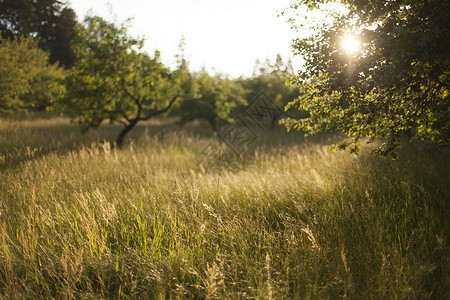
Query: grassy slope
[[291, 219]]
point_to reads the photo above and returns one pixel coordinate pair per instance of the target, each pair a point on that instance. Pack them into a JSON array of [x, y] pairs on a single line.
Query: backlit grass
[[290, 219]]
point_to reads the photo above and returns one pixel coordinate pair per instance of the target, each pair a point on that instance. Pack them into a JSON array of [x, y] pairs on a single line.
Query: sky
[[223, 36]]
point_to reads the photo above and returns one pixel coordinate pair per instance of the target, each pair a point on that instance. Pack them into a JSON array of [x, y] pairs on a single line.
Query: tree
[[398, 81], [280, 68], [27, 80], [17, 17], [112, 80], [273, 80], [60, 47], [212, 99], [52, 21]]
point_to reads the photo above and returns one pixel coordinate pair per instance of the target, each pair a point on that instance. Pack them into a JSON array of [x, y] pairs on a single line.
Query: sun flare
[[350, 44]]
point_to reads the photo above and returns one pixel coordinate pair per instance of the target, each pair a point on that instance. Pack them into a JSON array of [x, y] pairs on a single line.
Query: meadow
[[288, 219]]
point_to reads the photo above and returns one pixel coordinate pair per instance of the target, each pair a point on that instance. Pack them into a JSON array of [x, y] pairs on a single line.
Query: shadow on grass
[[29, 139], [24, 140]]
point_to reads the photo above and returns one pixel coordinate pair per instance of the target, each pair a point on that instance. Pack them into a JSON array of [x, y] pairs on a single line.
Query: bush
[[27, 80]]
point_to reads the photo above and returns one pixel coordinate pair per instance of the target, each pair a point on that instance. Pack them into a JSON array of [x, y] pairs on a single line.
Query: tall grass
[[290, 219]]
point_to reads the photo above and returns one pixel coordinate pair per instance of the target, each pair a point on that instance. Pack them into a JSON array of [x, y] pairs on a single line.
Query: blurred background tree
[[212, 99], [220, 101], [27, 80], [379, 69], [274, 80], [52, 21]]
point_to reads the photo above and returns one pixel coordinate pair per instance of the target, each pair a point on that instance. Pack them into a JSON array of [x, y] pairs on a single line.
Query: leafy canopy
[[113, 80], [397, 82]]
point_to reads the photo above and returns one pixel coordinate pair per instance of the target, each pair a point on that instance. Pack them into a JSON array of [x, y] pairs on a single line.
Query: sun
[[350, 44]]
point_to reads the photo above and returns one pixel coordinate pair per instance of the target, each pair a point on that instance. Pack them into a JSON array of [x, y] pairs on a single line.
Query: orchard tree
[[378, 70], [113, 80], [211, 99], [27, 80]]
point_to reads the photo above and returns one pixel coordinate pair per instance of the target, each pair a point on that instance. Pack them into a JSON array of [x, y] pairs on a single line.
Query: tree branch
[[118, 111], [160, 111], [137, 101]]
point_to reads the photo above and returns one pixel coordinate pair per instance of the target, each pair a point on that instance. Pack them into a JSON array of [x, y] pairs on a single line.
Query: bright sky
[[225, 36]]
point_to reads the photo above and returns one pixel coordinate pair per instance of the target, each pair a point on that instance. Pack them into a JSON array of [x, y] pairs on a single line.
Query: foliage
[[112, 80], [64, 34], [27, 80], [219, 100], [398, 82], [212, 99], [273, 79], [50, 20]]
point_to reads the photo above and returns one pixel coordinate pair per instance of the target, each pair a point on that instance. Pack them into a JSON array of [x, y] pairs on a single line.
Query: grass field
[[290, 219]]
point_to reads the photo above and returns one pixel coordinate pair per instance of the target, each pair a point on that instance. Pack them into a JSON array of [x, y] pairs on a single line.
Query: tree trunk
[[213, 124], [124, 132]]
